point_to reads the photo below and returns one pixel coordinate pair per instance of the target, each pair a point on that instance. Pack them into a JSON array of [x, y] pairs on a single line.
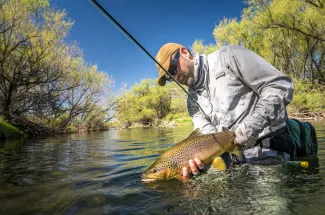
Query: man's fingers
[[185, 172], [193, 167], [199, 163]]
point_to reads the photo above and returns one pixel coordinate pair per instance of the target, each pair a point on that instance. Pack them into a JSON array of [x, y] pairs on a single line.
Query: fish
[[206, 147]]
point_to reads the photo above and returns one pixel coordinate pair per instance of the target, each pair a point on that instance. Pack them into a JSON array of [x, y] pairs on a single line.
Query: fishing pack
[[297, 139]]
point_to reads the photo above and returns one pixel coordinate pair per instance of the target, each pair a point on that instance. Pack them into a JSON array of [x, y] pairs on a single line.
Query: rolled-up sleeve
[[273, 88]]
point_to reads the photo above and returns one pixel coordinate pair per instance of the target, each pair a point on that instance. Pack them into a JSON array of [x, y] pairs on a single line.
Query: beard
[[186, 80], [187, 76]]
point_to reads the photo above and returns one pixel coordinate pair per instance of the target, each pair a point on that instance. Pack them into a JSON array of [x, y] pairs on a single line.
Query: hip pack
[[297, 139]]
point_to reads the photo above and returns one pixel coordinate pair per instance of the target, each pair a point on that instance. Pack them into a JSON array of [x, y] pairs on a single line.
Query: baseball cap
[[163, 58]]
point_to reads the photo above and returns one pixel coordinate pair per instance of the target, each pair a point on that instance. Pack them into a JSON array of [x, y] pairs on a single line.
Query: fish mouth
[[148, 179]]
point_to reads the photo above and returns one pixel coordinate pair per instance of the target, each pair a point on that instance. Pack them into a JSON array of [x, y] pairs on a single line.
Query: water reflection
[[99, 173]]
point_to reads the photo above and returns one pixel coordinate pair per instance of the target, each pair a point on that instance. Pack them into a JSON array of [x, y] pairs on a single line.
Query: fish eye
[[154, 171]]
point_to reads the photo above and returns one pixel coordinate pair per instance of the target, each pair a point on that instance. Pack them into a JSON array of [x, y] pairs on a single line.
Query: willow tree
[[85, 94], [43, 80], [143, 103], [32, 52]]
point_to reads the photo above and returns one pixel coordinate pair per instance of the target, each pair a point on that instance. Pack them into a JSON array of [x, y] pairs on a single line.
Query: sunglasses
[[172, 70]]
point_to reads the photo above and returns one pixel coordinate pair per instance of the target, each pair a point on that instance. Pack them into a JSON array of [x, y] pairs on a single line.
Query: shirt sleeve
[[273, 88], [198, 118]]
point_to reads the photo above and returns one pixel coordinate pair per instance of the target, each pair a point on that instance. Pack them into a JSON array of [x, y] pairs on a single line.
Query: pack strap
[[314, 142], [302, 149]]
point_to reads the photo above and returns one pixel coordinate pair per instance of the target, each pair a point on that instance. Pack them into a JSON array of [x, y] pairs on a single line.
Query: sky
[[152, 23]]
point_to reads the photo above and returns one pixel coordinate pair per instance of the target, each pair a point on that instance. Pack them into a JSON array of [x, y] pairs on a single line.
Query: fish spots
[[205, 147]]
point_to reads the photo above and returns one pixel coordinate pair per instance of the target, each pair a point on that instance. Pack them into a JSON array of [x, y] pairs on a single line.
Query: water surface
[[99, 173]]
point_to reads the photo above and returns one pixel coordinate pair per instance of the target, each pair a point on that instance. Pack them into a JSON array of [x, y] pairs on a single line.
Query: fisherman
[[237, 90]]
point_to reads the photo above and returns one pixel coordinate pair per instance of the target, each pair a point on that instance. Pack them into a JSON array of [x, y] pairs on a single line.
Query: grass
[[307, 97], [8, 131], [184, 121]]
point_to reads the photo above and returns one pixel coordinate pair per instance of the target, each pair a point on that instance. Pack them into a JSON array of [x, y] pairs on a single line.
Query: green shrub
[[112, 124], [8, 131], [71, 129], [307, 97]]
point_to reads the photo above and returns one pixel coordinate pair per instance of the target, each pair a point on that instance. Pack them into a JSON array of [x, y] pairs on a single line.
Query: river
[[99, 173]]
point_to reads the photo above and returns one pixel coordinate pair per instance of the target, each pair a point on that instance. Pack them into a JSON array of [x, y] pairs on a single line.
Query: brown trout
[[206, 147]]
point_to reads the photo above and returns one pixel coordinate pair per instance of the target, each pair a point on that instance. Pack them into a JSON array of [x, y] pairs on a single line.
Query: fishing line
[[140, 47]]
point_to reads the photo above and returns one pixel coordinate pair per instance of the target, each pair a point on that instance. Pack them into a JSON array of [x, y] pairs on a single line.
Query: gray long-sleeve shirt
[[241, 88]]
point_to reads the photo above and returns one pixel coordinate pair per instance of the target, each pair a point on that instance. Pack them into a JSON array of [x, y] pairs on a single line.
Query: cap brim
[[162, 77], [162, 81]]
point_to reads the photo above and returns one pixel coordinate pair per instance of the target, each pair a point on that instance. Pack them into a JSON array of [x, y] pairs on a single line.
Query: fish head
[[227, 140], [159, 170]]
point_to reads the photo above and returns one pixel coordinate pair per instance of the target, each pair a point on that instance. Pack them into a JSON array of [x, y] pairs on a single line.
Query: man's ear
[[183, 51]]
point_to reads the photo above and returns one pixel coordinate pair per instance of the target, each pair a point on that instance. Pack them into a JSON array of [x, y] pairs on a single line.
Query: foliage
[[43, 79], [112, 124], [149, 104], [8, 131], [143, 103], [181, 118], [307, 97]]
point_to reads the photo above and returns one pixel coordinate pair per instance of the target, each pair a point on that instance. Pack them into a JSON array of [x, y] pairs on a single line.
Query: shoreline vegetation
[[309, 116], [8, 131], [46, 87]]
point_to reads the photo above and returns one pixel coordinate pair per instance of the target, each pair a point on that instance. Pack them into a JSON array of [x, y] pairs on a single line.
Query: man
[[237, 90]]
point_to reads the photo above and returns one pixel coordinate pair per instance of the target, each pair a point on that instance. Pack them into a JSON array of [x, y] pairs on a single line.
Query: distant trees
[[143, 103], [45, 85], [146, 102]]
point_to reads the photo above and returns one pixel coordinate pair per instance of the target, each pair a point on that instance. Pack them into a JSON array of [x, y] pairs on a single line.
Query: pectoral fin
[[182, 178], [219, 163], [236, 151]]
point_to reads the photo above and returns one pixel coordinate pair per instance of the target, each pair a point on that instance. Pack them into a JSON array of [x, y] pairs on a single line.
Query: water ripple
[[126, 150], [99, 173]]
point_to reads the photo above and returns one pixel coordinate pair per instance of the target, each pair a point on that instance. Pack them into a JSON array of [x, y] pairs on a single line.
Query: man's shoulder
[[215, 53], [230, 48], [218, 50], [221, 50]]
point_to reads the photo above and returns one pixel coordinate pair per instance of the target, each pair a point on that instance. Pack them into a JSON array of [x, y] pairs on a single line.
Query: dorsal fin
[[195, 133]]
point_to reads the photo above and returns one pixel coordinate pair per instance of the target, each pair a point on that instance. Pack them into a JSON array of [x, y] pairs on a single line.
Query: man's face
[[185, 68]]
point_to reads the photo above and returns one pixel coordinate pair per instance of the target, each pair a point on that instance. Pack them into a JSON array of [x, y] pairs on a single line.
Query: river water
[[99, 173]]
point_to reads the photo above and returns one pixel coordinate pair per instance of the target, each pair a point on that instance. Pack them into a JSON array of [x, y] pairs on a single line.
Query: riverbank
[[8, 131], [308, 116], [304, 116], [158, 123]]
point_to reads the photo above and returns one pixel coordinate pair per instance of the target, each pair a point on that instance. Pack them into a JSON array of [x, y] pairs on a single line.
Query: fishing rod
[[138, 45]]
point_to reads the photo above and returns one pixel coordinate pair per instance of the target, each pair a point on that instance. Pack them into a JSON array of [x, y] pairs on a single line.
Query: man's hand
[[241, 136], [244, 139], [195, 166]]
